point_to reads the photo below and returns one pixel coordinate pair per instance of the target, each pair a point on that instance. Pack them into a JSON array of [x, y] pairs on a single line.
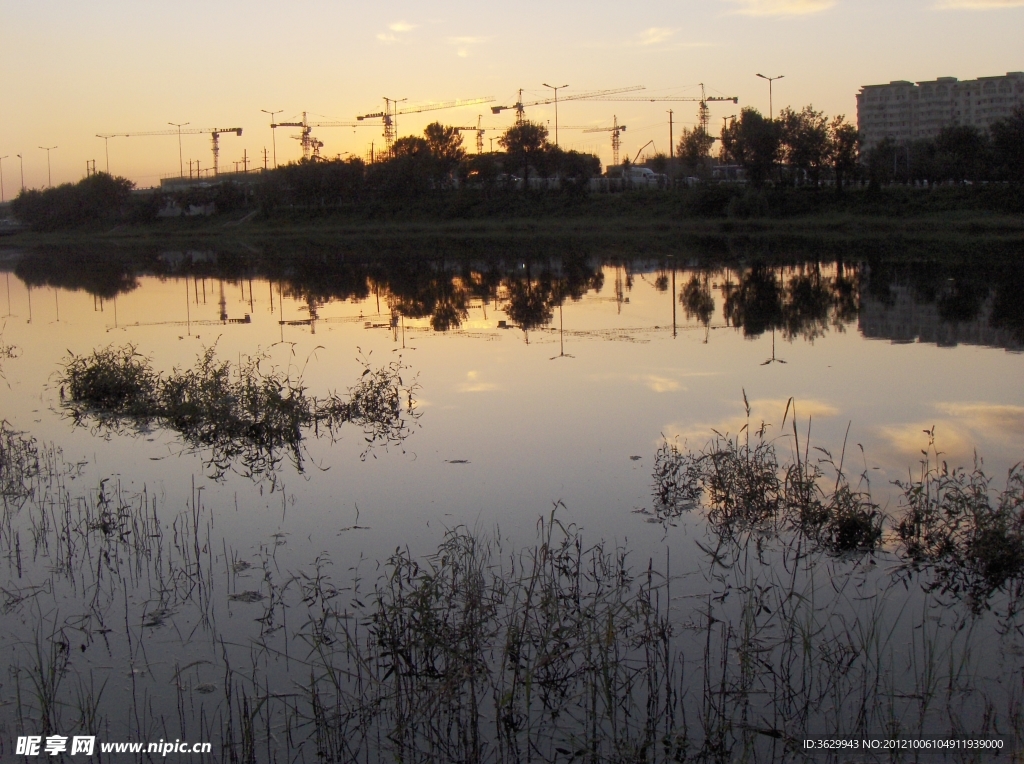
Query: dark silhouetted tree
[[1008, 146], [804, 141], [753, 142], [524, 143], [961, 152], [694, 150], [445, 144], [843, 149]]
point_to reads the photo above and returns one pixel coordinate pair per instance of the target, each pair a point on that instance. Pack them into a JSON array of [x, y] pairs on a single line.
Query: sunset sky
[[75, 69]]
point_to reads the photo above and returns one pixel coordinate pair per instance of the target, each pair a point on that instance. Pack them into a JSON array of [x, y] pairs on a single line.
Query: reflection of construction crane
[[213, 132], [479, 133], [311, 146], [519, 106], [391, 111], [615, 130], [703, 113]]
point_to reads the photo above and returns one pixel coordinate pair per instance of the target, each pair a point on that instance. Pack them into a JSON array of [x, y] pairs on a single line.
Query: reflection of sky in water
[[534, 427], [511, 423]]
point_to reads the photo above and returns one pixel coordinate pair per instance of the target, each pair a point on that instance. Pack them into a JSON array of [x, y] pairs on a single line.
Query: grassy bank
[[642, 219]]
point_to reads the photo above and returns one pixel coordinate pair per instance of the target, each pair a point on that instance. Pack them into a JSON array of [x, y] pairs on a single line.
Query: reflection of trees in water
[[804, 299], [801, 301], [698, 303], [104, 277], [754, 303]]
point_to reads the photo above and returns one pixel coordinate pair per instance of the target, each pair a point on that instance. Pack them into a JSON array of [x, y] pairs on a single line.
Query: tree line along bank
[[432, 175]]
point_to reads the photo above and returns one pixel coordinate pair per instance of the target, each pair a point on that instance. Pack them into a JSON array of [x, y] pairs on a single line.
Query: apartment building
[[907, 111]]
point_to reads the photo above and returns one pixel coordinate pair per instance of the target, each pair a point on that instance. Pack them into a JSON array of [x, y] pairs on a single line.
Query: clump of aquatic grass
[[244, 412], [743, 486], [955, 524]]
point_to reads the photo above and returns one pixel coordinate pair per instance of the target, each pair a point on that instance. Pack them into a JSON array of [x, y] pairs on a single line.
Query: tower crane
[[213, 132], [703, 113], [616, 129], [479, 133], [391, 111], [311, 146], [593, 95]]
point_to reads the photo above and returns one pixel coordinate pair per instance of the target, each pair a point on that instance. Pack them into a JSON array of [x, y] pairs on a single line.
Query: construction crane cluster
[[393, 108]]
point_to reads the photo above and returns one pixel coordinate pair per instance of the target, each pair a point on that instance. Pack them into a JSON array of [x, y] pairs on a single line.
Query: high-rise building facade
[[906, 111]]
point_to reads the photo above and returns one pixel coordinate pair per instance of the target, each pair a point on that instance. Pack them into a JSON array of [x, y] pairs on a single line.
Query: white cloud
[[782, 7], [979, 5], [473, 384], [399, 27], [465, 43], [656, 35], [658, 383]]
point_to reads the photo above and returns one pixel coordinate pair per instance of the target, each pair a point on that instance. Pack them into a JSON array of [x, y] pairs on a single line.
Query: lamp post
[[2, 177], [49, 178], [771, 110], [22, 161], [181, 163], [273, 132], [556, 89]]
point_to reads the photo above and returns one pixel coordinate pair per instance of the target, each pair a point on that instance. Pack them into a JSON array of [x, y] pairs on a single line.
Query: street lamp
[[273, 132], [2, 178], [181, 163], [556, 89], [771, 110], [49, 178]]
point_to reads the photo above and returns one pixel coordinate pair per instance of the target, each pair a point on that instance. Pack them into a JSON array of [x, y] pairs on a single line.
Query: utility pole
[[264, 159], [2, 177], [245, 160], [49, 177], [671, 142], [106, 149], [22, 161], [556, 89], [181, 163], [771, 109], [273, 132]]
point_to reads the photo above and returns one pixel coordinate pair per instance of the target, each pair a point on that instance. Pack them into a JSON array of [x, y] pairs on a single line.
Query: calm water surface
[[538, 381]]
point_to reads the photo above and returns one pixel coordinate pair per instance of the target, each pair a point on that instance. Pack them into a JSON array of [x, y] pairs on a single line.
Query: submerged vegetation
[[243, 413]]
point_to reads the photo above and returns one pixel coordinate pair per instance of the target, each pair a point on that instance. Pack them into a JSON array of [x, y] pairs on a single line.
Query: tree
[[843, 149], [695, 149], [100, 197], [804, 138], [753, 142], [409, 169], [1008, 145], [524, 143], [445, 144], [961, 153]]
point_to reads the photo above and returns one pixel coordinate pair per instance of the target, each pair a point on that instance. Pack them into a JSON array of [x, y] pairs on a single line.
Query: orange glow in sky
[[72, 70]]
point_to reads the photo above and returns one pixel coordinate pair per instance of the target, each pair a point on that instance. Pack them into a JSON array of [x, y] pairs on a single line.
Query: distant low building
[[908, 111]]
